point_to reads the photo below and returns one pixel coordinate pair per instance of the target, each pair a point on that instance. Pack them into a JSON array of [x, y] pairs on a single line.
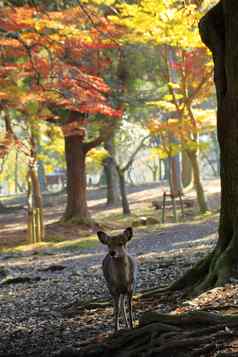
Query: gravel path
[[37, 289]]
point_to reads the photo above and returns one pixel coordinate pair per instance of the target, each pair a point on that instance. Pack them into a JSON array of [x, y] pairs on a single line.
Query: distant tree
[[122, 169], [113, 195]]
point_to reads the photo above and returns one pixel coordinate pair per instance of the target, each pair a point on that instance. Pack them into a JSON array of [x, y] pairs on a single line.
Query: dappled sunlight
[[36, 261], [196, 242], [111, 124]]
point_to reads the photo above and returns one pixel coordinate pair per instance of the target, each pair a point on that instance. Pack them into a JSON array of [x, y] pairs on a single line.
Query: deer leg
[[124, 310], [116, 303], [130, 309]]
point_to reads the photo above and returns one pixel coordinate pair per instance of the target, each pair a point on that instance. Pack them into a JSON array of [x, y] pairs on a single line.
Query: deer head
[[116, 244]]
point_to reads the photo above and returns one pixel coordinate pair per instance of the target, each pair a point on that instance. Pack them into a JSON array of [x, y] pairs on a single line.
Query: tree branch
[[132, 158], [105, 133]]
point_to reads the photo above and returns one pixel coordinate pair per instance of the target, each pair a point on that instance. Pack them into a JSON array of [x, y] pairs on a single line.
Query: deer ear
[[102, 237], [128, 233]]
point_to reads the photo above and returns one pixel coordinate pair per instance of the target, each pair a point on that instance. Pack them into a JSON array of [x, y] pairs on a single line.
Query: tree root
[[190, 334], [188, 318]]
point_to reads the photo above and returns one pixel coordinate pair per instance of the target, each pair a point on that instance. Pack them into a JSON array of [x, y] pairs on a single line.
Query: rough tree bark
[[75, 153], [76, 150]]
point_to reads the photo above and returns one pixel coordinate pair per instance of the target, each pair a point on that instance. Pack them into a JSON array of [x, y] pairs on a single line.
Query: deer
[[119, 270]]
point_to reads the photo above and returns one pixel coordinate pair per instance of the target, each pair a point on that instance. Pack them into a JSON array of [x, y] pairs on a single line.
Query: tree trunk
[[16, 180], [41, 174], [75, 153], [36, 231], [76, 150], [186, 170], [125, 204], [219, 31], [113, 196], [154, 174], [217, 152], [174, 175], [166, 169], [197, 182]]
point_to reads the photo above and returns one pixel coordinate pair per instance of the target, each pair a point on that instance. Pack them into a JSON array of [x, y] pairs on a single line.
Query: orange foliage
[[58, 56]]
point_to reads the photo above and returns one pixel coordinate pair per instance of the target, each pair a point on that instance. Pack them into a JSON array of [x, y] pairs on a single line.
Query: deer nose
[[112, 253]]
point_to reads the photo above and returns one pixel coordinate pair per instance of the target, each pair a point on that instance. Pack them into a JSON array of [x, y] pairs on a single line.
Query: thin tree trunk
[[16, 172], [113, 196], [41, 174], [129, 177], [125, 204], [186, 170], [211, 165], [197, 182], [154, 174], [36, 232]]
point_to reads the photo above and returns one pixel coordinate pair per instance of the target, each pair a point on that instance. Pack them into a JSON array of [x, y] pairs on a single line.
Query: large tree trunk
[[217, 153], [113, 195], [219, 31], [75, 154], [76, 150]]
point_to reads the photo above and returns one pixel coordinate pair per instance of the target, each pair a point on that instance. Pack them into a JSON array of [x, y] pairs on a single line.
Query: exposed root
[[189, 334]]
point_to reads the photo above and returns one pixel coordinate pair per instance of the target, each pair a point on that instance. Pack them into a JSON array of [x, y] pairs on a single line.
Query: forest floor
[[42, 288]]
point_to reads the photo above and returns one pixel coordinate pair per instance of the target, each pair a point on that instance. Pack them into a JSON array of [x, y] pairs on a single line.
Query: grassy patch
[[206, 216], [54, 243], [118, 220], [82, 243]]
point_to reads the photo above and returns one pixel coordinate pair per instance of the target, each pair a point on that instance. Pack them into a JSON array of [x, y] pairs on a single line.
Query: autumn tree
[[184, 64], [186, 118], [53, 61]]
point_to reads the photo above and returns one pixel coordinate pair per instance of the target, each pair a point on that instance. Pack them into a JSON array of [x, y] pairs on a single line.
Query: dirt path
[[38, 289], [13, 224], [41, 289]]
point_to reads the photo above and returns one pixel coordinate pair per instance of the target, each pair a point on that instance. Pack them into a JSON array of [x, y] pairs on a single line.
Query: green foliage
[[160, 22], [95, 159]]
